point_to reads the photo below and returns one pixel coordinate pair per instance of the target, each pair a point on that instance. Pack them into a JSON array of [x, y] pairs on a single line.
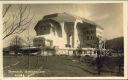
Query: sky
[[107, 15]]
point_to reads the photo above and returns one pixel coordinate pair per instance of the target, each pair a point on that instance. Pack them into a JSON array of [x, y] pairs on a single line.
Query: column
[[64, 37], [75, 36]]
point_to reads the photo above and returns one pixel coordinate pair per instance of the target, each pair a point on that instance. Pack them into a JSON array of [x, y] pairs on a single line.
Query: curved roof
[[65, 17], [46, 22], [60, 17]]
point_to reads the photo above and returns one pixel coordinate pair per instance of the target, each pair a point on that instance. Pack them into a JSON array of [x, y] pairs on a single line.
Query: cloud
[[101, 17]]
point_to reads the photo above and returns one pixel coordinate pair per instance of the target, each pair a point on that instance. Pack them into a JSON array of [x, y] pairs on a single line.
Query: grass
[[53, 66]]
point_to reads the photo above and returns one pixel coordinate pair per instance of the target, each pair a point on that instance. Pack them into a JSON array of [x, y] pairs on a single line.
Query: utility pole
[[16, 47], [28, 38]]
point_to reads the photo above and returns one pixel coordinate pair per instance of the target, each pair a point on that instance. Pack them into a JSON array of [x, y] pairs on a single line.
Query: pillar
[[75, 36]]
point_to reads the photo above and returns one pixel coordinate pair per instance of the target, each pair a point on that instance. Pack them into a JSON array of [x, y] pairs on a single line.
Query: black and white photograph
[[63, 40]]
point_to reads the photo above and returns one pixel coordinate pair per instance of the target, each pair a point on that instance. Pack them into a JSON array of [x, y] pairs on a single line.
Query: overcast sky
[[107, 15]]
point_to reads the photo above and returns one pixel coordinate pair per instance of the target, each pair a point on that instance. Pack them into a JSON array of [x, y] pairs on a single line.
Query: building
[[64, 31]]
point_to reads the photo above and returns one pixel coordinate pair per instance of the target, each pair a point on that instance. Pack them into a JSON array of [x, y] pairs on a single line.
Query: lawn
[[47, 66]]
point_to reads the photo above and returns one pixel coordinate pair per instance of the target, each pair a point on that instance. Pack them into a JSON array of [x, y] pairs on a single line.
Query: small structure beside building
[[67, 33]]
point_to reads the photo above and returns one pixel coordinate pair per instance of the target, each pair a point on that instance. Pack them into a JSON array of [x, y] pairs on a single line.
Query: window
[[87, 37], [91, 38], [87, 32], [44, 28], [91, 31], [67, 45]]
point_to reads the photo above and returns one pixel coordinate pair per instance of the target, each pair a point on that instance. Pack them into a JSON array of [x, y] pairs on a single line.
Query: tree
[[16, 22], [117, 44], [16, 44]]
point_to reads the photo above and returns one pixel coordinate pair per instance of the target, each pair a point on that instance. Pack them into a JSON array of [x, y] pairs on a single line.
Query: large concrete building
[[65, 31]]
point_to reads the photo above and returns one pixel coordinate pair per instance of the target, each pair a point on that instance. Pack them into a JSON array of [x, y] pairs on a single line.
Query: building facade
[[65, 31]]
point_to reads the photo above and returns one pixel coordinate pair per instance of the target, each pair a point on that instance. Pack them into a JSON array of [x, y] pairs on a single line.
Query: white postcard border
[[125, 31]]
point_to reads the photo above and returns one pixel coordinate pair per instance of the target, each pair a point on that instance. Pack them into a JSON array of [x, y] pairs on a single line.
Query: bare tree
[[16, 22], [16, 44]]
